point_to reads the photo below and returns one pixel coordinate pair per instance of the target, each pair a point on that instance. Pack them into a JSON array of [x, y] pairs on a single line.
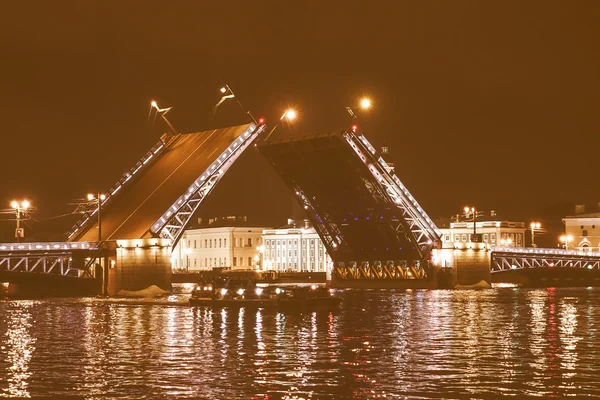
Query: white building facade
[[294, 250], [207, 248], [582, 232], [493, 233]]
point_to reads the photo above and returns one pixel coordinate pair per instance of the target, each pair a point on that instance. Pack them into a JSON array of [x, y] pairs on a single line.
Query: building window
[[584, 232], [194, 244], [457, 238], [225, 261], [493, 237], [464, 237], [249, 243], [485, 237], [447, 238], [225, 242], [220, 243], [249, 261], [593, 226], [235, 261], [194, 262], [206, 262]]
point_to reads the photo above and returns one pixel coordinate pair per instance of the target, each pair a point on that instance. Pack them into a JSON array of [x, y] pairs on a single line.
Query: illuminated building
[[295, 247], [582, 230], [490, 230], [223, 242]]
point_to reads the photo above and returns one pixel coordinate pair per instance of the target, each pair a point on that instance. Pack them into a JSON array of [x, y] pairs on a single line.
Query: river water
[[379, 344]]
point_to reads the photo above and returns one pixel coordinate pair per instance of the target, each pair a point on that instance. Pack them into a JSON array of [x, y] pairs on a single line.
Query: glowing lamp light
[[153, 104], [223, 89], [14, 204], [261, 121], [25, 204], [291, 115], [365, 103], [354, 128]]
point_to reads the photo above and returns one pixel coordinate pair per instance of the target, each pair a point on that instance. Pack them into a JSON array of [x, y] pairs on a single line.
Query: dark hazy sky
[[492, 104]]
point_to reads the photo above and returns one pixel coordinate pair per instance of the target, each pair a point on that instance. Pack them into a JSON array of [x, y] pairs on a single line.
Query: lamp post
[[19, 207], [534, 226], [469, 210], [289, 115], [566, 239], [99, 198], [365, 104]]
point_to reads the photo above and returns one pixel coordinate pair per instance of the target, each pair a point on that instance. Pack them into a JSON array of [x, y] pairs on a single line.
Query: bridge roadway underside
[[345, 201], [130, 214]]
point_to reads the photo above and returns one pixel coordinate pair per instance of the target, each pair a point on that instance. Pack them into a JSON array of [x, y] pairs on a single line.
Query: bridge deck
[[353, 215], [130, 213]]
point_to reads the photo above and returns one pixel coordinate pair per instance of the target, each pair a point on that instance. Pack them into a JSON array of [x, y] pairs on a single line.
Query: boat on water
[[246, 293]]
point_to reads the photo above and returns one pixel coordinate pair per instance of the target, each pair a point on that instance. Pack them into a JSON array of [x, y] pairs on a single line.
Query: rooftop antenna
[[162, 112], [228, 94]]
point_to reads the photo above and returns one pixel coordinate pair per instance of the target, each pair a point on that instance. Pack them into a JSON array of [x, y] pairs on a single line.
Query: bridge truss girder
[[52, 258], [513, 260], [389, 270], [56, 264], [173, 222], [424, 234]]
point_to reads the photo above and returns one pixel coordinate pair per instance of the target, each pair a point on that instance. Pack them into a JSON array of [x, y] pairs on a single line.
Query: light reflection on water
[[418, 344]]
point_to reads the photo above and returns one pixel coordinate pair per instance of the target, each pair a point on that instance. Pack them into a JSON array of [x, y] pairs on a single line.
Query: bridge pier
[[467, 266], [140, 263]]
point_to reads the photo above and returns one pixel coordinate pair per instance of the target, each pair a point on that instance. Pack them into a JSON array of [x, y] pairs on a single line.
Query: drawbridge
[[156, 198], [371, 225], [159, 195]]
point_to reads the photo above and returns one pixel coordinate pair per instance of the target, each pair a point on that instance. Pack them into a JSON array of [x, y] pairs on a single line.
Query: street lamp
[[365, 104], [469, 210], [290, 114], [566, 239], [19, 207], [534, 226], [99, 198]]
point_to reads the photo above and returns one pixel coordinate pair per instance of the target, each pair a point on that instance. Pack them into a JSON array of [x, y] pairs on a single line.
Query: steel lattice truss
[[386, 271], [510, 258], [55, 258], [425, 233], [173, 222]]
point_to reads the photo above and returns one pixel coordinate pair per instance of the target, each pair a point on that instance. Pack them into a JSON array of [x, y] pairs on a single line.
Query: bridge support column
[[473, 264], [140, 263]]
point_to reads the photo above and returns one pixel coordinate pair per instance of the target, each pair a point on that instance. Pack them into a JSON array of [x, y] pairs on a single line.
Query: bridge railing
[[141, 164], [41, 246]]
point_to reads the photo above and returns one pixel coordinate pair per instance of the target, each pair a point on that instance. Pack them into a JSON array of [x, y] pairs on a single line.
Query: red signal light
[[354, 128], [261, 121]]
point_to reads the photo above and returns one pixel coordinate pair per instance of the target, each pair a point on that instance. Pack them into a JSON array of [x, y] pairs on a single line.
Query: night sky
[[491, 104]]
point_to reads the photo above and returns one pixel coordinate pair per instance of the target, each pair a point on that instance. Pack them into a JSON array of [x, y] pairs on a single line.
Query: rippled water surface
[[379, 344]]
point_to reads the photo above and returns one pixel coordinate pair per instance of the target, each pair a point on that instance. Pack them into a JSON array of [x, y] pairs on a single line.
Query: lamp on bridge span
[[19, 207], [534, 226], [289, 115], [565, 239], [98, 198], [365, 104]]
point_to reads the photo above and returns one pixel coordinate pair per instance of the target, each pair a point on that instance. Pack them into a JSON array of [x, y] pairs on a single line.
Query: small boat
[[242, 294]]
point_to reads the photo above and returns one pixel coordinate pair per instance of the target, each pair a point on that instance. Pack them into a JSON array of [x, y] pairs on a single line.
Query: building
[[490, 230], [295, 247], [222, 242], [582, 230]]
